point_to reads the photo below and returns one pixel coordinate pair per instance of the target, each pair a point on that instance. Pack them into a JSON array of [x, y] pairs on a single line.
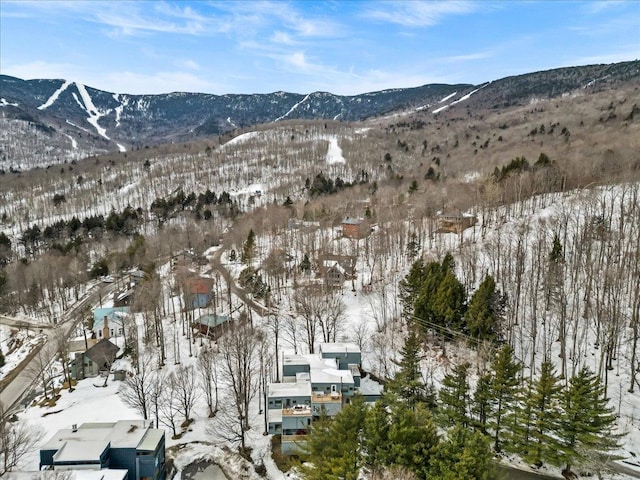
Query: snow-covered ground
[[370, 308]]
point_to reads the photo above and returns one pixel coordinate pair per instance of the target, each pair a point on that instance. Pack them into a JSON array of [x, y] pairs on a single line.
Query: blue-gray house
[[127, 444]]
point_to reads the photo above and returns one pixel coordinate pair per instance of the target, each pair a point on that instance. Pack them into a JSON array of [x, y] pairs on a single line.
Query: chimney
[[105, 328]]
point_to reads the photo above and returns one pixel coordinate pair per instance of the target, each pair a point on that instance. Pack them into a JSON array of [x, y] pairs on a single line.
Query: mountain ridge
[[71, 120]]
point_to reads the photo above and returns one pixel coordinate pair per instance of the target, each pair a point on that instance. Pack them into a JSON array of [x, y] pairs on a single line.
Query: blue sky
[[345, 47]]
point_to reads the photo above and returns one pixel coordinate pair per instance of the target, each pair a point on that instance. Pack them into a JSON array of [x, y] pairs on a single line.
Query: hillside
[[261, 207], [45, 122]]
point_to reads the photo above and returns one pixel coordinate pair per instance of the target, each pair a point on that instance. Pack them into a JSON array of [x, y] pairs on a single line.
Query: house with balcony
[[313, 386], [130, 445]]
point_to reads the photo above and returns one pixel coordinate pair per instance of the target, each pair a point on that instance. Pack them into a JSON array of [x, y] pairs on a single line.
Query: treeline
[[165, 208], [322, 185], [454, 434], [437, 301]]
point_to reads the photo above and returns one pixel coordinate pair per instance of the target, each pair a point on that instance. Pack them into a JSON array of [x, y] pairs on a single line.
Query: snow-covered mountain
[[53, 121]]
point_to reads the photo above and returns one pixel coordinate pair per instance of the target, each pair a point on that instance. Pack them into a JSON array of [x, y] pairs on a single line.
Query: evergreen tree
[[425, 298], [465, 454], [248, 248], [1, 358], [305, 265], [503, 390], [410, 286], [518, 422], [455, 397], [587, 422], [408, 383], [449, 302], [413, 438], [481, 406], [543, 403], [334, 446], [485, 311], [376, 433], [413, 246], [556, 255]]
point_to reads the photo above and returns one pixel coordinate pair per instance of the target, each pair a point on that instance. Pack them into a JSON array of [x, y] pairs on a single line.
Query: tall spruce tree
[[413, 438], [408, 383], [410, 286], [503, 391], [465, 454], [376, 433], [587, 425], [544, 404], [454, 396], [481, 407], [248, 248], [449, 303], [334, 447], [485, 311]]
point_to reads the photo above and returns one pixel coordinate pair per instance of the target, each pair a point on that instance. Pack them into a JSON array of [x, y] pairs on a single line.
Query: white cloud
[[468, 57], [160, 82], [42, 69], [419, 14], [188, 64]]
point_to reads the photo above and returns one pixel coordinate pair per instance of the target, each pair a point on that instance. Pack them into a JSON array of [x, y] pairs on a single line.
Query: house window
[[279, 403], [111, 332], [99, 333]]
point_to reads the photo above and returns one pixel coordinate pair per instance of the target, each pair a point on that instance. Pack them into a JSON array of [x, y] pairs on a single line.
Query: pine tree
[[413, 438], [410, 286], [455, 397], [334, 446], [518, 422], [449, 302], [432, 275], [408, 383], [503, 390], [376, 433], [587, 422], [544, 405], [485, 311], [481, 406], [305, 265], [464, 455], [248, 248]]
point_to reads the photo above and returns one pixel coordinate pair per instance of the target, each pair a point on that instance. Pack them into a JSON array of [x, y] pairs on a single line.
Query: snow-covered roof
[[339, 348], [81, 451], [370, 387], [297, 389], [151, 439], [331, 375], [80, 441], [295, 360]]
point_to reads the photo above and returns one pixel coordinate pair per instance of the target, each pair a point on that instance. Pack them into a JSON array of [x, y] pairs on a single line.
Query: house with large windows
[[312, 386]]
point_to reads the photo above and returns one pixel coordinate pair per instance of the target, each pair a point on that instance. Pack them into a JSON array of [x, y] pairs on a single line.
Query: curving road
[[25, 381]]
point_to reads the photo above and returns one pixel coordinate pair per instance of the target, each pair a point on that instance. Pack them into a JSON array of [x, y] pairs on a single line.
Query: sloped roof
[[103, 353], [198, 285], [212, 320]]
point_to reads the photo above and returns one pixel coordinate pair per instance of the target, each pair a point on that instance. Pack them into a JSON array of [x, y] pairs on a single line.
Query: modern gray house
[[130, 445], [312, 386]]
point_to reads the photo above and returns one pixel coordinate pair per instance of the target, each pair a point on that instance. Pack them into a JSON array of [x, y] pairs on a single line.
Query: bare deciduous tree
[[136, 389], [17, 439], [184, 379], [240, 349], [207, 368]]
